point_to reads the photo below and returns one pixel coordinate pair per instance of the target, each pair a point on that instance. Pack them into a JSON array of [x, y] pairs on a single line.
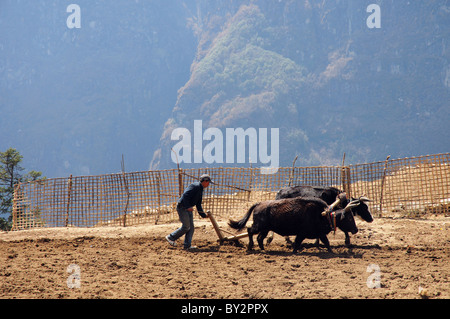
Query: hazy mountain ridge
[[74, 100]]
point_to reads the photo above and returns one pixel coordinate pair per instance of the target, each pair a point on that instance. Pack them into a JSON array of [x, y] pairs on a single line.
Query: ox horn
[[352, 204], [365, 199]]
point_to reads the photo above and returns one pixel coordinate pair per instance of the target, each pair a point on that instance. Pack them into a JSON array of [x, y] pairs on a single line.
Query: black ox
[[329, 195], [296, 216]]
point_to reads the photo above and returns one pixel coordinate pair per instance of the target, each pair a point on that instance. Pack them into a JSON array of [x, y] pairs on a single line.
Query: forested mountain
[[331, 84], [323, 72]]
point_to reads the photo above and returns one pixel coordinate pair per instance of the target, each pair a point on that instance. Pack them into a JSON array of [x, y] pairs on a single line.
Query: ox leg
[[325, 241], [297, 243], [317, 242], [250, 239], [288, 241], [261, 237], [347, 240]]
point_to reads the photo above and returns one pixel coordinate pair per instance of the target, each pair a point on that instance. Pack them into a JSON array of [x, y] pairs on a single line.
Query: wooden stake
[[128, 193], [382, 184], [69, 193], [291, 174]]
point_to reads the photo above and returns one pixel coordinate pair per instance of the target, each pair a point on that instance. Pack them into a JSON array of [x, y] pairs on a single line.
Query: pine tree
[[10, 175]]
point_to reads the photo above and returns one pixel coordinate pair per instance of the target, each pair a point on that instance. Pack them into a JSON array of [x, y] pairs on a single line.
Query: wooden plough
[[219, 231]]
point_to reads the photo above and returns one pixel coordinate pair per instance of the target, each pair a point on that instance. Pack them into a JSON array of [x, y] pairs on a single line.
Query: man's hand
[[202, 214]]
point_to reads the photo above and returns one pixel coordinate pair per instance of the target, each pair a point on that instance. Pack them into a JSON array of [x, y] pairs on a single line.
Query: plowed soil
[[390, 258]]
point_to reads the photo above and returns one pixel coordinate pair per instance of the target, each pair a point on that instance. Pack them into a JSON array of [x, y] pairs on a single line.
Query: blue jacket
[[192, 196]]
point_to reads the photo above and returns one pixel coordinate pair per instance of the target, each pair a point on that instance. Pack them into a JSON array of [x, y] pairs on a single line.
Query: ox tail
[[241, 223]]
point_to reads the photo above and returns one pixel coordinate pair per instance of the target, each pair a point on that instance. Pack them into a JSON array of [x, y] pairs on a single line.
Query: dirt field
[[402, 256]]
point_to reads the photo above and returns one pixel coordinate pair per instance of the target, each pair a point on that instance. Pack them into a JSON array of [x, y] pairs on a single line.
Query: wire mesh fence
[[410, 187]]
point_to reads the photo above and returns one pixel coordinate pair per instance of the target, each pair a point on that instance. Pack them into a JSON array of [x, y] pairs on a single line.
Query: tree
[[10, 175]]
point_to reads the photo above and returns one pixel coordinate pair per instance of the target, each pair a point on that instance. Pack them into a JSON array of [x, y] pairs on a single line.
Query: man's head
[[205, 180]]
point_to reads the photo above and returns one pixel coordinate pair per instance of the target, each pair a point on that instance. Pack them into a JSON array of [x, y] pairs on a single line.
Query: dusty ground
[[137, 262]]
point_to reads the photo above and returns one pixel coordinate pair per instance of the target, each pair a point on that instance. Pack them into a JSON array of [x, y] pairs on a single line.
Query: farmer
[[191, 197]]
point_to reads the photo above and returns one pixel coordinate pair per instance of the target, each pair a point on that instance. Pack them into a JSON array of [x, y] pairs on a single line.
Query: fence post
[[158, 184], [382, 184], [346, 181], [346, 178], [180, 181], [125, 183], [128, 199], [249, 194], [69, 190], [291, 173], [100, 200], [14, 211]]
